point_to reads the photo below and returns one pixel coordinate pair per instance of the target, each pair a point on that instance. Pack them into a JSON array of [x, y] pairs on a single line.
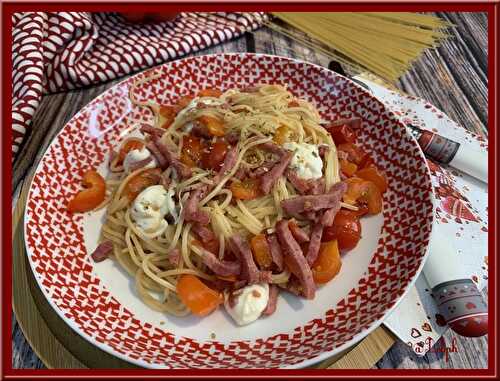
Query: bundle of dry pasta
[[384, 43]]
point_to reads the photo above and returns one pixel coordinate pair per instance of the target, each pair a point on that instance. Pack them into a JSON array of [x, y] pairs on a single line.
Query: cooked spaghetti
[[214, 179]]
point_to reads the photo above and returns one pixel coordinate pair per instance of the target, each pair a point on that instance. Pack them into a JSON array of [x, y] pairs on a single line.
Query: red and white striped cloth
[[66, 50]]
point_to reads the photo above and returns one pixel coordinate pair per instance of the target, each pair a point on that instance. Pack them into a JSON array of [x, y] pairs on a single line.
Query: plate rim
[[299, 365]]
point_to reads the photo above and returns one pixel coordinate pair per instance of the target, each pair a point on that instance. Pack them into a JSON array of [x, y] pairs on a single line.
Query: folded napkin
[[461, 211], [66, 50]]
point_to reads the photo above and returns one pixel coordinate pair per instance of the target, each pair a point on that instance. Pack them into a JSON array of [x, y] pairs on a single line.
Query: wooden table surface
[[453, 77]]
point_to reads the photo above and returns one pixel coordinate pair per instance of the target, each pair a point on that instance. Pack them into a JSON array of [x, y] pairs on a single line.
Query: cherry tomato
[[214, 126], [210, 93], [328, 263], [354, 154], [280, 135], [192, 150], [375, 176], [167, 115], [261, 251], [138, 183], [213, 156], [88, 199], [246, 189], [198, 297], [346, 229], [348, 168], [293, 103], [128, 146], [342, 134], [363, 192]]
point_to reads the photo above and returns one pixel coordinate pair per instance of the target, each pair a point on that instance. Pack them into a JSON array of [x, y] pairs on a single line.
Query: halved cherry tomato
[[293, 103], [210, 93], [375, 176], [197, 296], [128, 146], [192, 150], [364, 192], [348, 168], [328, 263], [184, 101], [281, 134], [354, 153], [342, 134], [214, 126], [167, 115], [137, 184], [246, 189], [346, 229], [213, 156], [261, 251], [88, 199]]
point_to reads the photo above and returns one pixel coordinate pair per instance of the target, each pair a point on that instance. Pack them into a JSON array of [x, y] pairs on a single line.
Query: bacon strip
[[298, 264], [191, 212], [273, 148], [182, 170], [174, 256], [241, 248], [273, 300], [205, 234], [102, 251], [299, 234], [303, 186], [153, 131], [220, 267], [162, 162], [265, 277], [312, 203], [314, 244], [275, 249], [141, 163], [270, 178], [227, 165]]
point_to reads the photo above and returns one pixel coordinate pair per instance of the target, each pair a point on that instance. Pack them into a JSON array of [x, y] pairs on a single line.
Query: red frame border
[[7, 8]]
